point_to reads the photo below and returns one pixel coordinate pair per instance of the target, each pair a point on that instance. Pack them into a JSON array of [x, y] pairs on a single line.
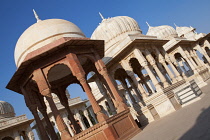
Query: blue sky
[[16, 16]]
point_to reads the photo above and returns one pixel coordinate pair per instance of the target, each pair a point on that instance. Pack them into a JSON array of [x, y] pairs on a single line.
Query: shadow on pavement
[[201, 128]]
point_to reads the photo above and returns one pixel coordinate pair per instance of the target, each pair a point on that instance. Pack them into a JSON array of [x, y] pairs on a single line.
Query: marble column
[[160, 75], [65, 119], [128, 91], [106, 110], [52, 134], [187, 58], [203, 51], [112, 108], [82, 124], [150, 86], [143, 62], [197, 59], [177, 74], [130, 73], [163, 62], [93, 115], [16, 135], [179, 68], [44, 89], [88, 118], [29, 133], [191, 60]]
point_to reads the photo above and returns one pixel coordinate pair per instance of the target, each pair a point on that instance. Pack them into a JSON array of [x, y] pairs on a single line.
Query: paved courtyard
[[192, 122]]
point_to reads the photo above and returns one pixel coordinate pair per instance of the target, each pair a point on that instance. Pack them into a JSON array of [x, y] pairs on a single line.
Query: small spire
[[36, 16], [175, 25], [148, 24], [101, 16]]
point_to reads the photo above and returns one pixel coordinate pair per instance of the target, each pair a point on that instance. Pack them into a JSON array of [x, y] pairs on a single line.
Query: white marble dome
[[42, 33], [114, 29], [184, 30], [6, 110], [162, 32]]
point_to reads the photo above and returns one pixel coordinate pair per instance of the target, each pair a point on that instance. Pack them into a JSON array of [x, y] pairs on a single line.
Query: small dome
[[184, 30], [6, 110], [112, 30], [162, 32], [42, 33]]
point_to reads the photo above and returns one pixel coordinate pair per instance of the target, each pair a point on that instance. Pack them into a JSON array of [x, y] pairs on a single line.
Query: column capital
[[85, 113]]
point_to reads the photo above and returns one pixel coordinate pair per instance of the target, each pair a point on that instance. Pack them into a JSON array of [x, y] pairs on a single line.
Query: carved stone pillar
[[78, 71], [203, 51], [143, 62], [160, 75], [191, 60], [163, 62], [177, 74], [150, 86], [111, 106], [128, 91], [79, 118], [52, 134], [197, 59], [68, 123], [88, 118], [101, 68], [177, 66], [45, 90], [130, 73], [31, 104], [64, 101], [93, 115], [43, 109]]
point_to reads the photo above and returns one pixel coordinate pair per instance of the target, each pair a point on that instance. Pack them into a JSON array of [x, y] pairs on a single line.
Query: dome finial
[[36, 16], [175, 25], [148, 24], [101, 16]]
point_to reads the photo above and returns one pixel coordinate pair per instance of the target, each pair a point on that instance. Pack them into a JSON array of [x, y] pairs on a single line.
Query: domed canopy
[[42, 33], [162, 32], [115, 29], [6, 110], [184, 30]]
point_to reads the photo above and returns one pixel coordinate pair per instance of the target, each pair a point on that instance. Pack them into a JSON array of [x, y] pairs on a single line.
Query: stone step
[[191, 97], [187, 94], [184, 91]]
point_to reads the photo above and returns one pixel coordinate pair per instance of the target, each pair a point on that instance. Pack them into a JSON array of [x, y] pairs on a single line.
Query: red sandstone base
[[119, 127]]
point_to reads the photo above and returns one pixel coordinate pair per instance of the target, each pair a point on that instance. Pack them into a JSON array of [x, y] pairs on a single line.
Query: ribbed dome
[[162, 32], [43, 33], [183, 30], [115, 29], [6, 110]]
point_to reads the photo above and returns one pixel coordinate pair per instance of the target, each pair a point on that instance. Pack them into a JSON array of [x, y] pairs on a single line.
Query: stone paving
[[191, 122]]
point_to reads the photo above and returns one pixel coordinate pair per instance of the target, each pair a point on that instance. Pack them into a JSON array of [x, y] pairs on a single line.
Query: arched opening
[[183, 65], [84, 119], [207, 51], [201, 56], [143, 77], [68, 92], [121, 75], [23, 135]]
